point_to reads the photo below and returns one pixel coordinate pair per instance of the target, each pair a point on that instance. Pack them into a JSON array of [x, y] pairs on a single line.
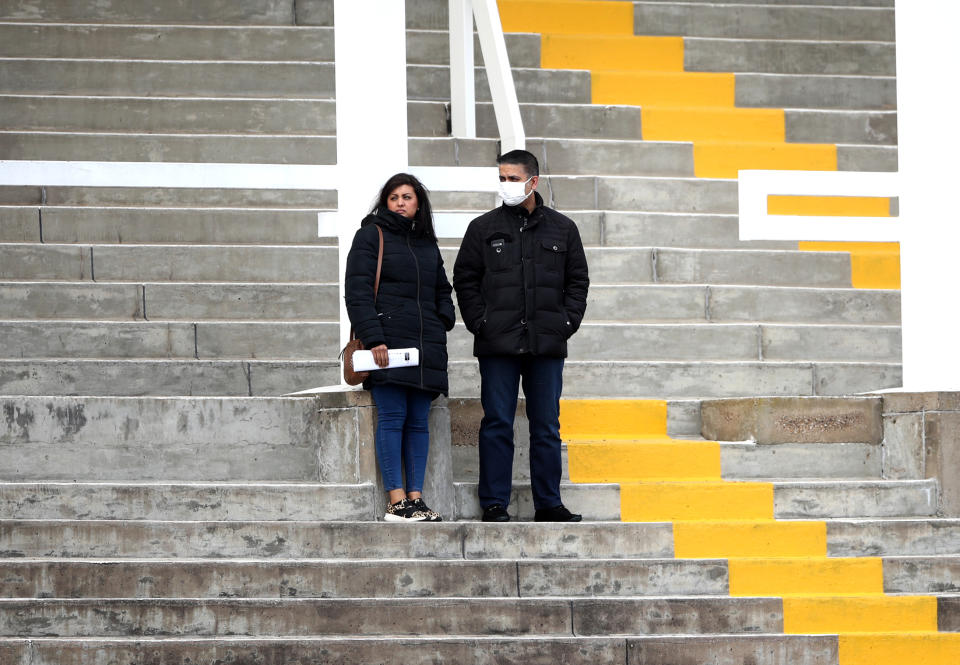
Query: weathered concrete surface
[[667, 616], [800, 460], [793, 420], [321, 650], [916, 537], [948, 613], [194, 501], [285, 617], [734, 650], [656, 577], [942, 448], [256, 12], [921, 574], [849, 498], [903, 453], [286, 540], [328, 578]]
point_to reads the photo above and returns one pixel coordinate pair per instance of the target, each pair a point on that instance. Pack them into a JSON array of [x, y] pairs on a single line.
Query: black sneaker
[[403, 511], [423, 509], [495, 513], [556, 514]]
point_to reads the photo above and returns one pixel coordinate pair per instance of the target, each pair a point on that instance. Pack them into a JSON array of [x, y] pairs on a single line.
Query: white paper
[[363, 360]]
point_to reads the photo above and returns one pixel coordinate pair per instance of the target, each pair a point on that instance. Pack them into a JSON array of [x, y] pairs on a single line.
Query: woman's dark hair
[[424, 215]]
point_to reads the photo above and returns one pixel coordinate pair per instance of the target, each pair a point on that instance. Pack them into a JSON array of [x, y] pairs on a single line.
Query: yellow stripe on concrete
[[663, 89], [906, 649], [723, 159], [805, 576], [873, 265], [666, 501], [754, 538], [860, 614], [712, 124], [614, 52], [626, 461], [602, 419], [829, 206], [566, 16]]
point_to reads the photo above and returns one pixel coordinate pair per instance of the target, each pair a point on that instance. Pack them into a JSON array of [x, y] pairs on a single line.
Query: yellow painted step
[[752, 538], [602, 419], [722, 159], [805, 575], [860, 614], [668, 501], [712, 124], [566, 16], [653, 459], [829, 206], [662, 88], [616, 52], [873, 265], [900, 649]]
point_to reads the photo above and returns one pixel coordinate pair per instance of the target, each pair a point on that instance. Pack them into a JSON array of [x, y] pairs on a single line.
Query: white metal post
[[371, 79], [463, 115], [499, 75]]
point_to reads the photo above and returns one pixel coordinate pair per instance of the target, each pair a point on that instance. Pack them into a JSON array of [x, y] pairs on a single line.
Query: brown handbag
[[350, 377]]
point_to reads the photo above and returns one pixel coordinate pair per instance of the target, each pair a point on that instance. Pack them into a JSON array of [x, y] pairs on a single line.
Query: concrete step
[[381, 616], [154, 197], [638, 193], [750, 461], [432, 47], [167, 302], [866, 158], [333, 578], [807, 91], [165, 42], [368, 540], [681, 380], [858, 127], [887, 537], [758, 21], [865, 498], [639, 340], [534, 85], [124, 147], [275, 340], [263, 226], [309, 80], [780, 56], [202, 502], [567, 156], [568, 121], [172, 115], [922, 574], [596, 502], [684, 650], [165, 377], [666, 302], [180, 263], [278, 12]]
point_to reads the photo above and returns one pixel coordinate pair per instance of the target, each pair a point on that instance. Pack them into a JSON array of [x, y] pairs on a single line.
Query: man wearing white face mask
[[521, 282]]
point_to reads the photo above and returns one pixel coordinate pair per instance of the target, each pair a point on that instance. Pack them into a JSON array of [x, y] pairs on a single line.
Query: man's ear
[[533, 182]]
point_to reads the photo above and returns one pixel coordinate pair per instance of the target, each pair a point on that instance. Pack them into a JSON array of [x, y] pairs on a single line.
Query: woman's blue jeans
[[403, 435]]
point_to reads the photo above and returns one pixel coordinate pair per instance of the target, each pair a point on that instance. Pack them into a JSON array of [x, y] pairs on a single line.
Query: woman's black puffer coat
[[413, 306]]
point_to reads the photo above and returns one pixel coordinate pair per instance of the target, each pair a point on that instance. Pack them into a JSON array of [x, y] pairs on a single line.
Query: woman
[[412, 308]]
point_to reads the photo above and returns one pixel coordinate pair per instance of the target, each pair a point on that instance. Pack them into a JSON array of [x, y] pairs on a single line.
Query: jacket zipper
[[419, 307]]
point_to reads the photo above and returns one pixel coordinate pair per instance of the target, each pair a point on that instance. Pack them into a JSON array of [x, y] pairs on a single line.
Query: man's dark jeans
[[542, 380]]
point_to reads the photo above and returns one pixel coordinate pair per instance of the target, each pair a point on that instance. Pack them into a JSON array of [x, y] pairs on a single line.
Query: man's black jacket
[[413, 306], [521, 281]]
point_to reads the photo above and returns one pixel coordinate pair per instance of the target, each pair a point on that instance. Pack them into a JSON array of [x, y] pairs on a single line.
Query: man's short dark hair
[[521, 158]]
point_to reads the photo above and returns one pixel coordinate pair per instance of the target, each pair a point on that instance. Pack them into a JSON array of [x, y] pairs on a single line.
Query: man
[[521, 282]]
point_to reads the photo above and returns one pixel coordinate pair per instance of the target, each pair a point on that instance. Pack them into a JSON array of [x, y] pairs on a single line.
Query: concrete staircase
[[113, 291]]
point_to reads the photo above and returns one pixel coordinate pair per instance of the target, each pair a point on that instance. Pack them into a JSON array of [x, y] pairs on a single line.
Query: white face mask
[[514, 193]]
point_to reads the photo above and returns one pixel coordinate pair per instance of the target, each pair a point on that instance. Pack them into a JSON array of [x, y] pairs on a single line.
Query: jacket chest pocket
[[498, 254], [552, 254]]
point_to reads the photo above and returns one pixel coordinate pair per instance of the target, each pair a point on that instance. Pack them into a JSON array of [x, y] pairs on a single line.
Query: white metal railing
[[497, 64]]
